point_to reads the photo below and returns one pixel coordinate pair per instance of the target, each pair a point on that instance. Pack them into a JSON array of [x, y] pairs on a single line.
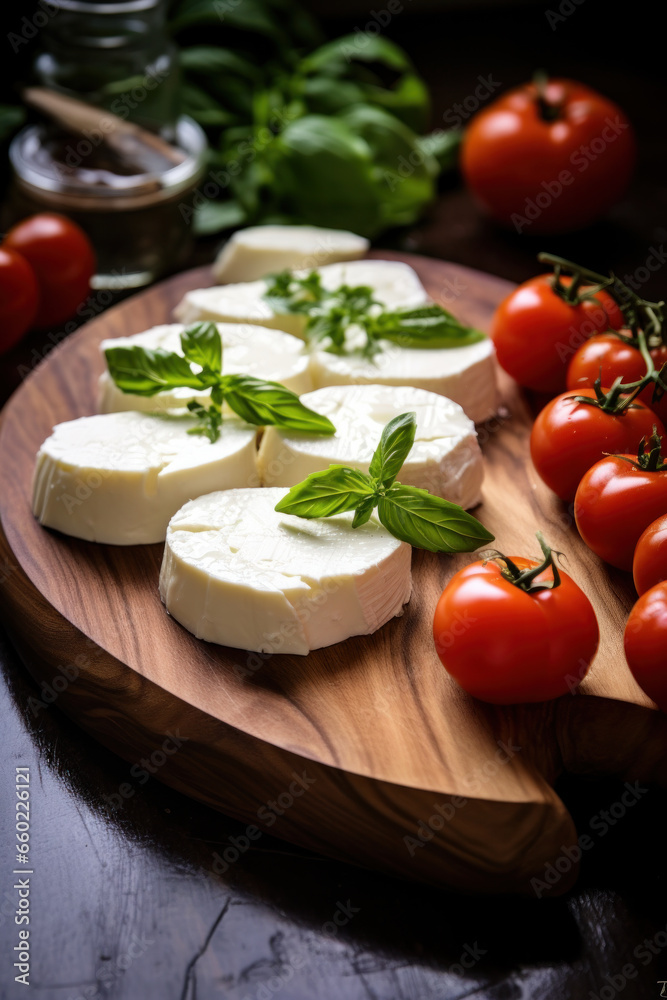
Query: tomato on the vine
[[19, 297], [608, 356], [645, 641], [515, 630], [63, 260], [649, 565], [548, 157], [569, 437], [536, 328], [617, 499]]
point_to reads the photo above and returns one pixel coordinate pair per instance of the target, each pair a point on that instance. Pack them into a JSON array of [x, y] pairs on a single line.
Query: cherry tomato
[[613, 505], [569, 437], [535, 330], [504, 644], [645, 641], [649, 565], [608, 356], [63, 260], [548, 160], [19, 297]]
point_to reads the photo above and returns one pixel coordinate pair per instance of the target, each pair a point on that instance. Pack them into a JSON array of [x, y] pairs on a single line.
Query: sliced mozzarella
[[394, 283], [465, 374], [260, 250], [119, 477], [445, 458], [238, 573], [271, 355]]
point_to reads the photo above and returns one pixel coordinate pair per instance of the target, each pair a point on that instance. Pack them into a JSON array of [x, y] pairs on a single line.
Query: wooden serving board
[[398, 768]]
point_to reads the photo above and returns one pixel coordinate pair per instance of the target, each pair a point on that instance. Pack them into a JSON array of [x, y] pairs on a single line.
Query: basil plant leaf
[[397, 439], [332, 491], [428, 326], [263, 403], [146, 372], [202, 345], [429, 522]]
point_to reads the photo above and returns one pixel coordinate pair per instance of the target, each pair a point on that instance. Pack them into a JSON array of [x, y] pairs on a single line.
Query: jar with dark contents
[[136, 209]]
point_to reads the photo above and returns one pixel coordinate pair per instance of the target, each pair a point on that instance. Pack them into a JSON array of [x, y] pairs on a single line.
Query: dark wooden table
[[124, 903]]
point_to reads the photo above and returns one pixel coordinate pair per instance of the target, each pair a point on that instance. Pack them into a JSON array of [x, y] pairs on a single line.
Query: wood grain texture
[[389, 743]]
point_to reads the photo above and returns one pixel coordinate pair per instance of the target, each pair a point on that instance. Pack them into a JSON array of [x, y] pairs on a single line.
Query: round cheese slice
[[393, 282], [445, 459], [271, 355], [466, 375], [259, 250], [238, 573], [119, 477]]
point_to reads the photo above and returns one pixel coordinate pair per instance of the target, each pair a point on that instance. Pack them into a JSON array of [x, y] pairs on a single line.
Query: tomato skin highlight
[[19, 297], [645, 641], [504, 645], [649, 565], [63, 260], [608, 356], [568, 438], [548, 176], [614, 504], [535, 331]]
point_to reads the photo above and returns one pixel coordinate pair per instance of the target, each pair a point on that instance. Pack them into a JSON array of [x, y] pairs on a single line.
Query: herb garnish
[[147, 372]]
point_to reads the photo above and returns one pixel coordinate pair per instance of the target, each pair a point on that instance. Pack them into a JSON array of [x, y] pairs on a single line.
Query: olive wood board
[[399, 769]]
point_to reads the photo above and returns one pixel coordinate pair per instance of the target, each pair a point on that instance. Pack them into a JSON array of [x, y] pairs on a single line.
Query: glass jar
[[139, 222], [113, 55]]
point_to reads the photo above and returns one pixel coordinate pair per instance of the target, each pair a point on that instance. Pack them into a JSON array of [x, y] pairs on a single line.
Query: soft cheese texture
[[394, 283], [445, 458], [119, 477], [260, 250], [238, 573], [246, 349], [465, 374]]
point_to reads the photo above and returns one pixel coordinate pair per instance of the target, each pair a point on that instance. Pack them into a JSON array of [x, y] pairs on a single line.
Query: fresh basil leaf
[[364, 511], [428, 326], [146, 372], [287, 294], [202, 345], [397, 439], [429, 522], [265, 403], [332, 491]]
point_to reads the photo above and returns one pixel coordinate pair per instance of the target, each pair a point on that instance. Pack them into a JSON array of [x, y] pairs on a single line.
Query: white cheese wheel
[[119, 477], [246, 350], [466, 375], [238, 573], [394, 283], [260, 250], [445, 458]]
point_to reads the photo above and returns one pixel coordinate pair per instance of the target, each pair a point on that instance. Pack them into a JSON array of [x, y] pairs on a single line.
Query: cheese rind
[[260, 250], [445, 459], [236, 572], [394, 283], [466, 375], [119, 477], [246, 349]]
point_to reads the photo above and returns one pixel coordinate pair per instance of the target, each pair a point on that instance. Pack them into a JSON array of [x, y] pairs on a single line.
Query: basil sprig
[[146, 372], [331, 312], [411, 514]]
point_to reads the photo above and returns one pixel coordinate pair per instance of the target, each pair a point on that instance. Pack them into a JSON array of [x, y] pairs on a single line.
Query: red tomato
[[63, 259], [19, 297], [550, 163], [649, 565], [645, 642], [614, 503], [503, 644], [535, 331], [569, 437], [608, 356]]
